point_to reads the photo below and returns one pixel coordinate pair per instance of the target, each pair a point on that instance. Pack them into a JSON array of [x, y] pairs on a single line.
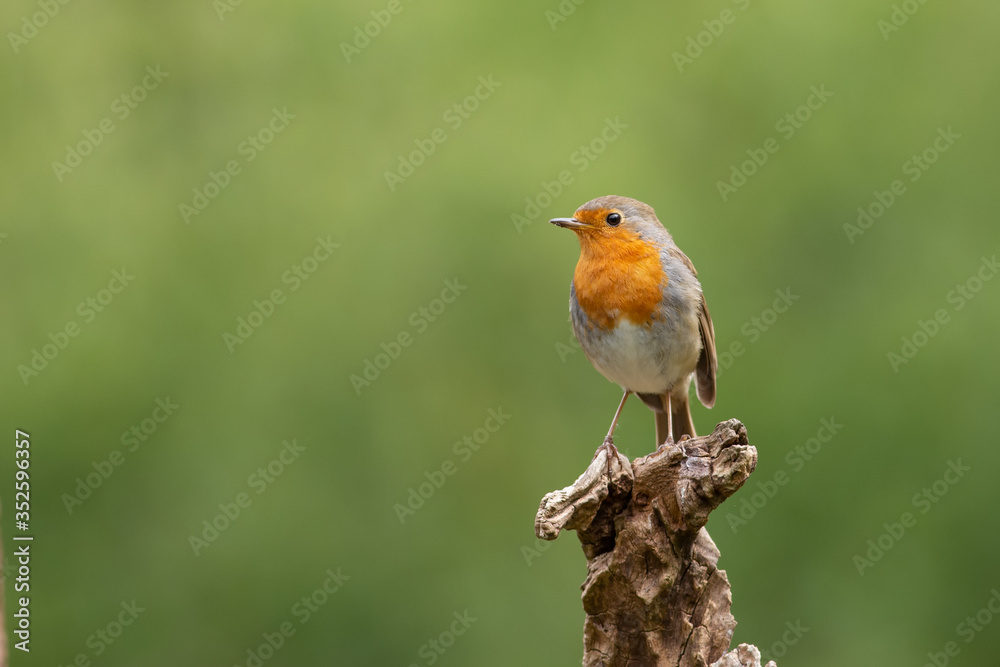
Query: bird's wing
[[707, 360]]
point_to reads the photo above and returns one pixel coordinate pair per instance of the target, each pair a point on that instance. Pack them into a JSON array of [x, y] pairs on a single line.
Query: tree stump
[[654, 594]]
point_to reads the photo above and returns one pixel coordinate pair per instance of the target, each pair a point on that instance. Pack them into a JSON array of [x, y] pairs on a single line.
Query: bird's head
[[613, 220]]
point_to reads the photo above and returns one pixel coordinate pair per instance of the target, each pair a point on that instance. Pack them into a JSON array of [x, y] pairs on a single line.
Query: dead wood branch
[[654, 594]]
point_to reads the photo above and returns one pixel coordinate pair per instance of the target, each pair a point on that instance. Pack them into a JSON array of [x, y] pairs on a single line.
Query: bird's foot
[[608, 446], [669, 442]]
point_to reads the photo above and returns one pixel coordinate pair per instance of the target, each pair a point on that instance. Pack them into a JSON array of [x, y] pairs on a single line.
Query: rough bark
[[654, 594]]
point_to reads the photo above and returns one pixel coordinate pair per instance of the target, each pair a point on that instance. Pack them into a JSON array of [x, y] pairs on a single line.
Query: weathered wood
[[654, 594]]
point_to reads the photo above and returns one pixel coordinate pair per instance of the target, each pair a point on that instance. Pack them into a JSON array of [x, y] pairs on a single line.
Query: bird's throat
[[618, 276]]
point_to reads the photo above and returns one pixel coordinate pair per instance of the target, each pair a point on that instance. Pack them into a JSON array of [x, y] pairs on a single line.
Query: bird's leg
[[609, 445], [670, 423]]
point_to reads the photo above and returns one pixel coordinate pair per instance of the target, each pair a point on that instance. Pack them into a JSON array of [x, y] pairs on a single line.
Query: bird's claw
[[608, 446], [669, 442]]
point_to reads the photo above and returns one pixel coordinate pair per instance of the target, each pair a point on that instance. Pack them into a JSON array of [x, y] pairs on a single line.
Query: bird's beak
[[568, 223]]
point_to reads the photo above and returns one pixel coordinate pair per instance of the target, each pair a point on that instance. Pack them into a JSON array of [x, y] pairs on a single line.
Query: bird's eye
[[614, 219]]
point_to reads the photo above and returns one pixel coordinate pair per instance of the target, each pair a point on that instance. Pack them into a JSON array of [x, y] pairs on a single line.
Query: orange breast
[[618, 276]]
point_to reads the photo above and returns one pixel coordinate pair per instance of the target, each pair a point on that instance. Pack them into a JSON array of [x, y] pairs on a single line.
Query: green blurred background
[[505, 342]]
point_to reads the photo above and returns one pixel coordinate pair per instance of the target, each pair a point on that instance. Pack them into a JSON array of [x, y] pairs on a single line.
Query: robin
[[639, 313]]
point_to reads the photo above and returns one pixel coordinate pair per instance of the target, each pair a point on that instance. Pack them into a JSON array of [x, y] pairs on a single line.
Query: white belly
[[646, 359]]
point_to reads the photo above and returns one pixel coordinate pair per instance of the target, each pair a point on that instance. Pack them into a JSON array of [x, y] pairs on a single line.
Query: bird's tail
[[662, 425], [672, 414], [680, 415]]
